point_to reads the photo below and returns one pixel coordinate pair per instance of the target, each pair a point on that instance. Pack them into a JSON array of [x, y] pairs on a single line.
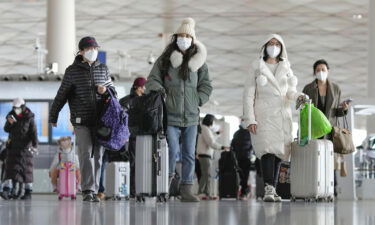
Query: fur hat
[[187, 27]]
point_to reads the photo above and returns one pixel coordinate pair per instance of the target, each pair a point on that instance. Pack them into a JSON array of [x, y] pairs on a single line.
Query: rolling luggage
[[67, 180], [229, 182], [117, 180], [151, 167], [312, 175], [67, 183]]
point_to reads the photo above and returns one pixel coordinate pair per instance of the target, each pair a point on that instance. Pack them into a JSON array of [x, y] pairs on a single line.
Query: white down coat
[[267, 98]]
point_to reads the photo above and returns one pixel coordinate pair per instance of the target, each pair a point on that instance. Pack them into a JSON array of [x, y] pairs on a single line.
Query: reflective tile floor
[[46, 209]]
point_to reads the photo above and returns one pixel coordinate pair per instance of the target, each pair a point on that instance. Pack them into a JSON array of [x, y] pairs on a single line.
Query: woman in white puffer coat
[[269, 92]]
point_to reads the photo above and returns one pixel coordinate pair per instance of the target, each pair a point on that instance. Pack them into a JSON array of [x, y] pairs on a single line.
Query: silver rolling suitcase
[[117, 180], [151, 167], [312, 175]]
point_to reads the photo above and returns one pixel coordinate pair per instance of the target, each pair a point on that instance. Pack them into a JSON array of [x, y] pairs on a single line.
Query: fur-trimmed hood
[[195, 62], [265, 74]]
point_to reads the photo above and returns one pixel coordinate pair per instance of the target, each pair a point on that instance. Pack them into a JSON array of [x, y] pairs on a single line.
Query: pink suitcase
[[67, 183]]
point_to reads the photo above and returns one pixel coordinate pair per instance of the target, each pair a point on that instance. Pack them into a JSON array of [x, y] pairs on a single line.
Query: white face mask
[[243, 124], [273, 51], [91, 55], [18, 111], [184, 43], [322, 75]]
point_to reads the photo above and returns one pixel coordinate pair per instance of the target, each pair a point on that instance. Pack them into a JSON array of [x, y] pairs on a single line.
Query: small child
[[65, 154]]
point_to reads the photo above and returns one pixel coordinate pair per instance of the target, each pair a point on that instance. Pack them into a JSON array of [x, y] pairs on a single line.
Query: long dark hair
[[265, 54], [166, 62]]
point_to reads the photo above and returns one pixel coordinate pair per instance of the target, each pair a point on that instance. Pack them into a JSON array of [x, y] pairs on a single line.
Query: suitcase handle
[[309, 102]]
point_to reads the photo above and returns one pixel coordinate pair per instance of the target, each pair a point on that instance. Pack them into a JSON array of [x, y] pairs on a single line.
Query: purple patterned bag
[[113, 132]]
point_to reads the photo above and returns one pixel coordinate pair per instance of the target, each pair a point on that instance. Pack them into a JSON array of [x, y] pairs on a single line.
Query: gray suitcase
[[151, 167], [312, 172], [117, 180]]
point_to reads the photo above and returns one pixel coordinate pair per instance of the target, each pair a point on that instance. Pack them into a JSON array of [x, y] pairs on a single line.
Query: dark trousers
[[269, 164], [245, 166], [102, 172]]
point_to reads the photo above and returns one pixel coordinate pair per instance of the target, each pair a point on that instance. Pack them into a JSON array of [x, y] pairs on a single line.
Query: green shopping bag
[[320, 125]]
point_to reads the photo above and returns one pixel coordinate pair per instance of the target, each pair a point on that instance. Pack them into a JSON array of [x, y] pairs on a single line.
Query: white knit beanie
[[18, 102], [187, 27]]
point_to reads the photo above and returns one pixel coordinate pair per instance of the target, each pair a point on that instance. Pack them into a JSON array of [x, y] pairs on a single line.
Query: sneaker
[[203, 197], [95, 198], [27, 195], [100, 195], [277, 197], [213, 198], [243, 197], [6, 193], [87, 196], [269, 193]]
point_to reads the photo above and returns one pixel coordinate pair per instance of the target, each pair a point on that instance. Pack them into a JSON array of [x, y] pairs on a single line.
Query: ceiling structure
[[336, 30]]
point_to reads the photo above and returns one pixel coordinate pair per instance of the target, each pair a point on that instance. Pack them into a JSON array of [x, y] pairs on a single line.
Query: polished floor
[[46, 209]]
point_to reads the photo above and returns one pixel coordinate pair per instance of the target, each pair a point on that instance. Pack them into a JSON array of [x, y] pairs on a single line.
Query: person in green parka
[[182, 73]]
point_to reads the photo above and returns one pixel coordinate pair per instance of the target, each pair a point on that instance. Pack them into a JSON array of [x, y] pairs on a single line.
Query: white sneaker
[[277, 197], [269, 193]]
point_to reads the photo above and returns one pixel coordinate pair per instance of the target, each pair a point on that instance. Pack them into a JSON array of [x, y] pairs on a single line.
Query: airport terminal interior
[[234, 66]]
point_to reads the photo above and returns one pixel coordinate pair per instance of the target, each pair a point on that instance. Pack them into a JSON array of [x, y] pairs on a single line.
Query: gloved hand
[[301, 100]]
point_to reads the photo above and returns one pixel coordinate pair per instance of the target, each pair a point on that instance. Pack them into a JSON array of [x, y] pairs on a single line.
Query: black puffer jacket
[[241, 144], [79, 89], [22, 135], [126, 101]]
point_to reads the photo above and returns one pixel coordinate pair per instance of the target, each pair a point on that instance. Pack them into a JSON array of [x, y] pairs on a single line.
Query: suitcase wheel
[[118, 198], [162, 198], [60, 197], [140, 198], [293, 199], [73, 197]]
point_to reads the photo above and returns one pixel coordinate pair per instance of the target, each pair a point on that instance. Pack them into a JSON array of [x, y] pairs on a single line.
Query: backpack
[[112, 131], [241, 144], [228, 163], [148, 114]]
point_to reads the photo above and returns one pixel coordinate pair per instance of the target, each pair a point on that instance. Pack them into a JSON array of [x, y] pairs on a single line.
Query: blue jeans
[[102, 173], [188, 137]]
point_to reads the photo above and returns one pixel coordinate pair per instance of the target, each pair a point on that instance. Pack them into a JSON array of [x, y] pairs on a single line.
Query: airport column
[[61, 33], [168, 26], [371, 64]]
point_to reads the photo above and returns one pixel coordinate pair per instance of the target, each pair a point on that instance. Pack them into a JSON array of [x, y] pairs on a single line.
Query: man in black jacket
[[85, 87], [138, 89], [241, 145]]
